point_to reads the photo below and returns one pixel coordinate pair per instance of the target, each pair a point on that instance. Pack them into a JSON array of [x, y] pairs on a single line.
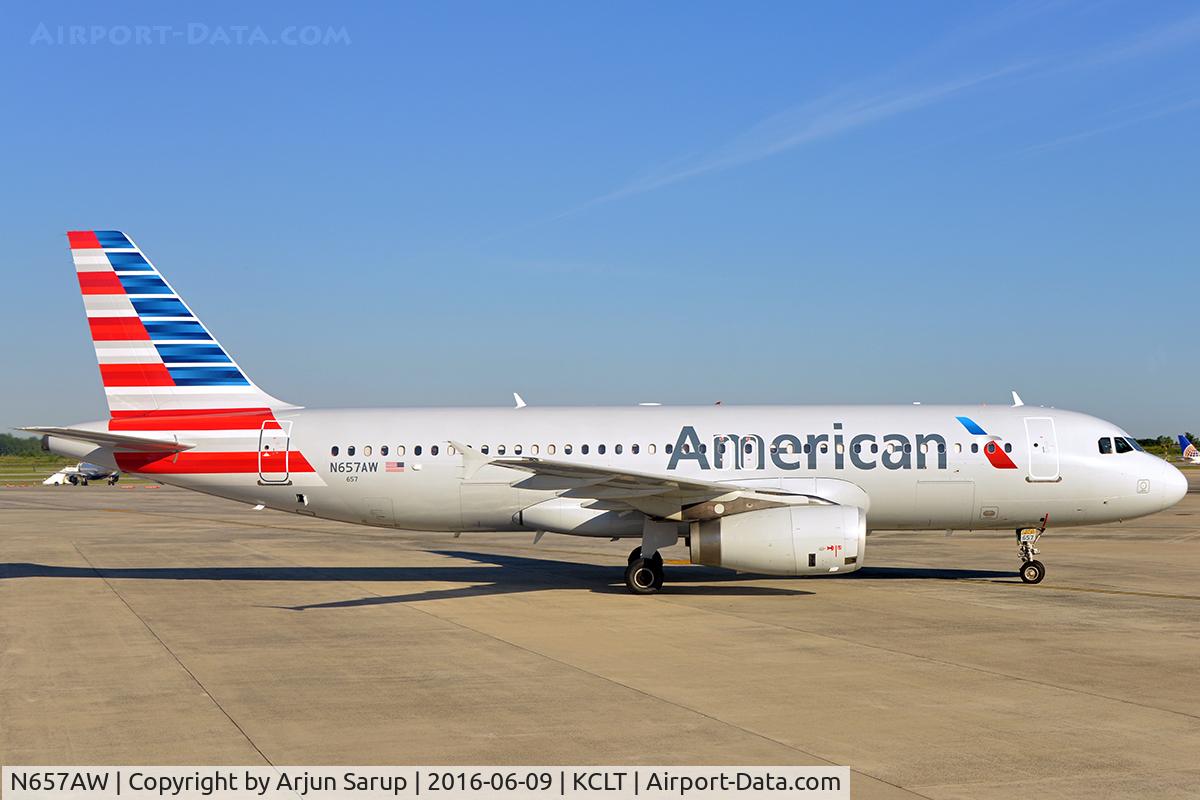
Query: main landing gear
[[644, 575], [1032, 570]]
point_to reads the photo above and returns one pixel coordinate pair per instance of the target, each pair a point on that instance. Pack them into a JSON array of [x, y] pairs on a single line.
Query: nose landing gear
[[1032, 570]]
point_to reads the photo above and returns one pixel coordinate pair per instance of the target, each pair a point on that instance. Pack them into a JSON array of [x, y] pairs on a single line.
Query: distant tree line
[[1166, 442], [20, 445]]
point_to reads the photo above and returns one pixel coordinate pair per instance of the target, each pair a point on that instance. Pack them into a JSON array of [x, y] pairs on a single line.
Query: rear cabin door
[[1043, 449], [273, 440]]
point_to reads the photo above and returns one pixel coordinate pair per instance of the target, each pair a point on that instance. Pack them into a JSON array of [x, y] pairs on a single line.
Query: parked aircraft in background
[[82, 473], [1190, 454], [785, 490]]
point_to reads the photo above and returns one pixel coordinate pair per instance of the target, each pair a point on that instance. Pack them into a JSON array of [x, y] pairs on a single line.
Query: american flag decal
[[393, 466]]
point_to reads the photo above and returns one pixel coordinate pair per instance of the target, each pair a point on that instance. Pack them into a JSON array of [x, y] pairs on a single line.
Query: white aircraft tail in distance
[[785, 490]]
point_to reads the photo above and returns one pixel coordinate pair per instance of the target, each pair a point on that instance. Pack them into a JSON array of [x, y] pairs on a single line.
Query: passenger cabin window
[[549, 449], [499, 449], [600, 449], [974, 447], [367, 451], [1123, 445], [651, 448], [583, 448], [383, 449], [1008, 447], [635, 449], [617, 449], [668, 449], [483, 448], [516, 449], [433, 450], [350, 450], [533, 448], [416, 450], [333, 451], [399, 449], [567, 449]]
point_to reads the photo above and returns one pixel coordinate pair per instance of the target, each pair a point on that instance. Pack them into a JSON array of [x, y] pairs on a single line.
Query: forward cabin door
[[1043, 449], [273, 440]]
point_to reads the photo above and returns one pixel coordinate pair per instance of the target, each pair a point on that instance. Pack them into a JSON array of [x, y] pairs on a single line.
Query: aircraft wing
[[663, 496], [121, 441]]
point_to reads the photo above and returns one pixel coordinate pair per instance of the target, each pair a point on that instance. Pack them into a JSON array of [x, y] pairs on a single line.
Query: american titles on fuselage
[[788, 451]]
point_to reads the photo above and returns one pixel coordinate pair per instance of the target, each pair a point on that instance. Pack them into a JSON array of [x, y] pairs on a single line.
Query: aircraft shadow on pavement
[[930, 573], [490, 574]]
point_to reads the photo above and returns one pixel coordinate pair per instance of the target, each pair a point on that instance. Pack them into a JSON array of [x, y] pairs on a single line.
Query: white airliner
[[785, 490], [82, 473]]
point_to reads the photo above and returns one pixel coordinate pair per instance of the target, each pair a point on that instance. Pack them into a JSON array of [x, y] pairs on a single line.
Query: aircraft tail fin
[[1189, 450], [155, 355]]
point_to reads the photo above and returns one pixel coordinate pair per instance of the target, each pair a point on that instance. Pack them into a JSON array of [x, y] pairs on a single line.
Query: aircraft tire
[[1033, 571], [642, 578]]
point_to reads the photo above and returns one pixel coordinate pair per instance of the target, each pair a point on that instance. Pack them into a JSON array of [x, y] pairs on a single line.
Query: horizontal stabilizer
[[116, 440]]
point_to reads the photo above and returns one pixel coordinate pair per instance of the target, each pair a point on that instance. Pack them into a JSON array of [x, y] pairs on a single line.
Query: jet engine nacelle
[[567, 515], [794, 540]]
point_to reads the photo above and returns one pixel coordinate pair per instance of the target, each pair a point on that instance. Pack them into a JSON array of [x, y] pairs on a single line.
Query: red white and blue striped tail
[[155, 355]]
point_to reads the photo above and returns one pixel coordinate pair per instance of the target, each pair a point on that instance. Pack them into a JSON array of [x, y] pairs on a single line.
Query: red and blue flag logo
[[992, 449]]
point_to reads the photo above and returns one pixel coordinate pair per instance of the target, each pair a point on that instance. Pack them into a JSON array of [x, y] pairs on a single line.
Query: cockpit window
[[1123, 445], [1105, 446], [1134, 444]]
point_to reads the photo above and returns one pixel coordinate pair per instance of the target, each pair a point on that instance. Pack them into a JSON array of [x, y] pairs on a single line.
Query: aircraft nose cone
[[1174, 486]]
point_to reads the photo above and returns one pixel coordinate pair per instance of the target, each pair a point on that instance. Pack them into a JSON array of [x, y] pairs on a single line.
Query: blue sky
[[677, 202]]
